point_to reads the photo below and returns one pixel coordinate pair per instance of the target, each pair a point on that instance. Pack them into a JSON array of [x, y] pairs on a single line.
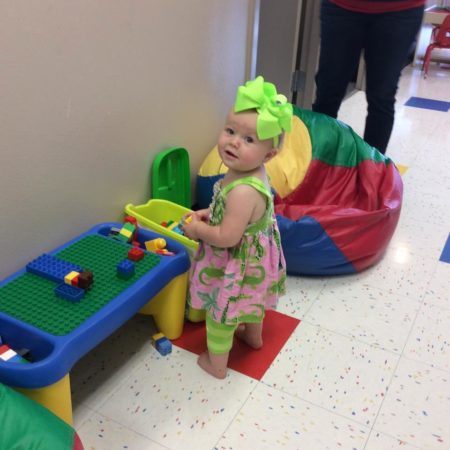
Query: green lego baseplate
[[31, 298]]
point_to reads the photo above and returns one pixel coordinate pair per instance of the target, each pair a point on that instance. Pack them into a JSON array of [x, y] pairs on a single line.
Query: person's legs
[[389, 39], [219, 339], [251, 334], [341, 41], [215, 365]]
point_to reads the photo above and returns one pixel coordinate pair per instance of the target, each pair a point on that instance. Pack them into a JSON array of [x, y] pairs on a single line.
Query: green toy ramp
[[170, 177], [26, 425]]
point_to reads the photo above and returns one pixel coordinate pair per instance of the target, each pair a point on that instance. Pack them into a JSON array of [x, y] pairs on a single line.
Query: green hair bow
[[274, 112]]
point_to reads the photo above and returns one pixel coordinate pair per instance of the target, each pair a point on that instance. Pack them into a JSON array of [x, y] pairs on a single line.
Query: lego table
[[58, 333]]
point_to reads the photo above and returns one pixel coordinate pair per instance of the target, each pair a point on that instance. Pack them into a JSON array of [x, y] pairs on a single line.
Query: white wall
[[90, 91]]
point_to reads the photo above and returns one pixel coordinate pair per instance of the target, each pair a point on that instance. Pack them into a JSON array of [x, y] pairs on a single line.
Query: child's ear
[[270, 155]]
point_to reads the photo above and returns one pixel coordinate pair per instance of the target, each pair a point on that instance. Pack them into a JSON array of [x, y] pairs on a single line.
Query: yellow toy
[[155, 244]]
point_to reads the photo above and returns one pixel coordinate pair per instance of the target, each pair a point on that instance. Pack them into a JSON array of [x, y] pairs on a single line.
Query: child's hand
[[186, 217], [189, 227], [202, 214]]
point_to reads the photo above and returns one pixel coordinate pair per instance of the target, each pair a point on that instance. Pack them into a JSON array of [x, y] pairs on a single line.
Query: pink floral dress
[[237, 284]]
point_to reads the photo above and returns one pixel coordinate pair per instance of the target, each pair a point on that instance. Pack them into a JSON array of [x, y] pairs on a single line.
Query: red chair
[[440, 38]]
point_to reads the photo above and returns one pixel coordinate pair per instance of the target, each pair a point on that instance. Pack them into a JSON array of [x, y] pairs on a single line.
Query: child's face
[[239, 146]]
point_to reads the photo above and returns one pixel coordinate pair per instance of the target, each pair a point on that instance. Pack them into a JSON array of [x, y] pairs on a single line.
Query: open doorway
[[288, 47]]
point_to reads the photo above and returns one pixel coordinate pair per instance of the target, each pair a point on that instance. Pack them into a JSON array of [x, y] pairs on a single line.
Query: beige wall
[[90, 91]]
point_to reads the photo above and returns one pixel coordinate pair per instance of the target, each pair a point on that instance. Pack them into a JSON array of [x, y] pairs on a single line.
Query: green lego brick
[[31, 298], [129, 227]]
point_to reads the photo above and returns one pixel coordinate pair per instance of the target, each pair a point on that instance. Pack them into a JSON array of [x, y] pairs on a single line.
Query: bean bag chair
[[24, 424], [337, 199]]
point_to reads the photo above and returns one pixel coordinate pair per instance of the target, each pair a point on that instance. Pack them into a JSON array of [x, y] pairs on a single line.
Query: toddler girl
[[239, 269]]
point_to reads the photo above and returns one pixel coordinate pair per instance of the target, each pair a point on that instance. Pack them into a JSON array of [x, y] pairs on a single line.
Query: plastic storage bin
[[156, 211]]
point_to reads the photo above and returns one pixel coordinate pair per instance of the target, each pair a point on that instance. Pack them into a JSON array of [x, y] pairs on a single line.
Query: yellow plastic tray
[[156, 211]]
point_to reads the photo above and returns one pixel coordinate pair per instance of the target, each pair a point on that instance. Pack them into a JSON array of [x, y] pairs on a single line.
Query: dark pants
[[386, 40]]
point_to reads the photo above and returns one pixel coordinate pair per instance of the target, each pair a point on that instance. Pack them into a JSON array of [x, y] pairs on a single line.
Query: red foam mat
[[253, 363]]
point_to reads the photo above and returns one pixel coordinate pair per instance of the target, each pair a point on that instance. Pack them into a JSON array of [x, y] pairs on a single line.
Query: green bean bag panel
[[26, 425]]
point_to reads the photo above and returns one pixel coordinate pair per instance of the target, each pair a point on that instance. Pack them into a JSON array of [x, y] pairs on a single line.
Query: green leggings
[[219, 337]]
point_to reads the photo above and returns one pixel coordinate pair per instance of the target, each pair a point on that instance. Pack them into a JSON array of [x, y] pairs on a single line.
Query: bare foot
[[214, 368], [250, 334]]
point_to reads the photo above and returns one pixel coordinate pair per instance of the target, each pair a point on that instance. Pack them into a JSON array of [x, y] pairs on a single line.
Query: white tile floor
[[367, 368]]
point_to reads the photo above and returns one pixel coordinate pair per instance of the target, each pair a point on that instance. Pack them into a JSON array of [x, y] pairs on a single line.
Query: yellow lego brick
[[157, 336], [172, 225], [155, 244], [70, 276], [126, 233]]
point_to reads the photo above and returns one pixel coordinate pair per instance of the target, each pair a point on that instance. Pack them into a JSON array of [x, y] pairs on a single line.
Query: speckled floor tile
[[353, 111], [417, 406], [438, 291], [337, 373], [173, 402], [426, 197], [350, 280], [100, 432], [413, 83], [81, 413], [400, 272], [431, 179], [430, 338], [107, 366], [272, 420], [405, 145], [365, 313], [380, 441], [428, 174], [301, 292], [419, 238]]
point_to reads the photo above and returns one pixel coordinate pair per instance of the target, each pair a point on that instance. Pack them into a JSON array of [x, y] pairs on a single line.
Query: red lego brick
[[163, 251], [135, 254], [132, 220]]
